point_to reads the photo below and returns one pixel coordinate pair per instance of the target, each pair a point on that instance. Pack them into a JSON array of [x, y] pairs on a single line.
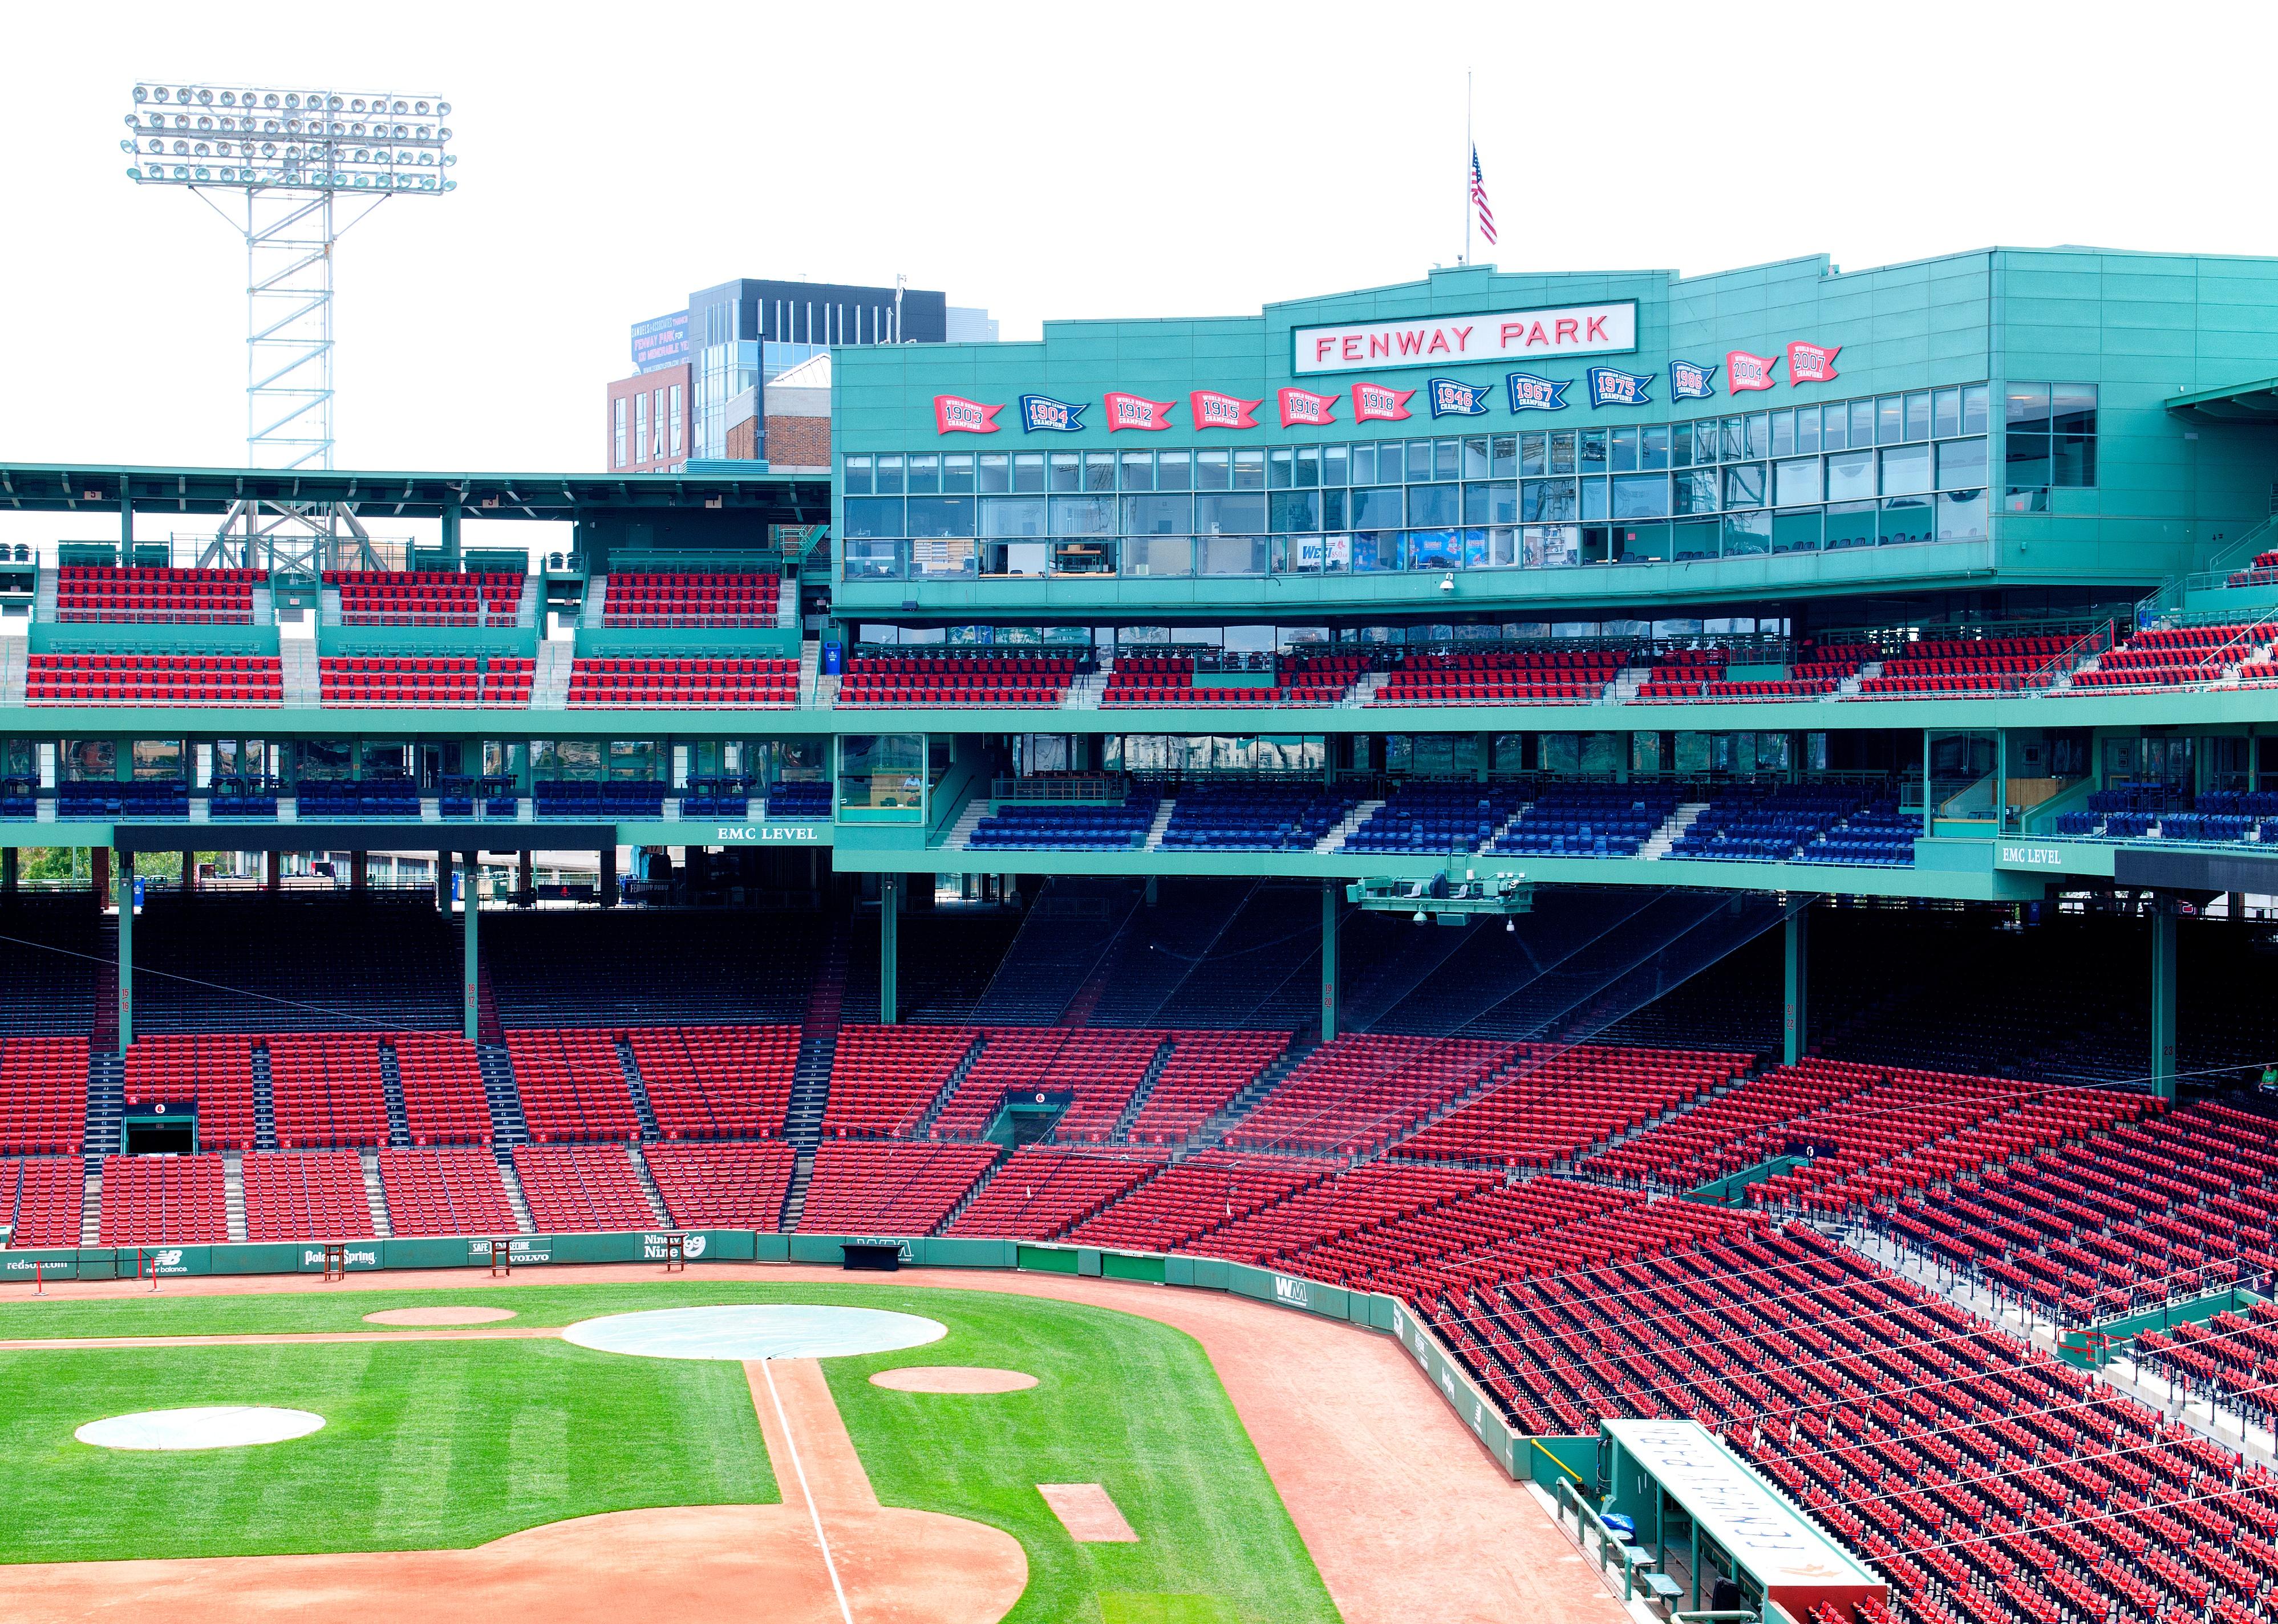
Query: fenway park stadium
[[1695, 851]]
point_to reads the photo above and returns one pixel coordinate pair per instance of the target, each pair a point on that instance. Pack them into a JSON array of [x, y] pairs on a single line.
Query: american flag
[[1480, 200]]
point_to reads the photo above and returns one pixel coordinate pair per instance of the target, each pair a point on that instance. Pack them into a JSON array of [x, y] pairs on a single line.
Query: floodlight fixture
[[291, 168]]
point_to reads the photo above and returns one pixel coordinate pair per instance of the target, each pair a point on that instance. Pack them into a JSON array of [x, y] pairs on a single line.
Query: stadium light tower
[[297, 168]]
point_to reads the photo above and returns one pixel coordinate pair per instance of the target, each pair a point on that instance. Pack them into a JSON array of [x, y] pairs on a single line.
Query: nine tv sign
[[1485, 335]]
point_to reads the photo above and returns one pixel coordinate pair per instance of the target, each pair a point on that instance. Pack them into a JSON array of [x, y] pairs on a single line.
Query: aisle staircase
[[391, 1092], [106, 1105], [233, 1191], [1657, 844], [375, 1194], [549, 689], [644, 1108], [264, 1101], [810, 1088], [304, 684]]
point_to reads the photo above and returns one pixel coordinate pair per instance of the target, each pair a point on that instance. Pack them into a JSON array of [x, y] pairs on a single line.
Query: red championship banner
[[1136, 411], [1213, 410], [1376, 403], [1303, 408], [953, 414], [1811, 363], [1743, 371]]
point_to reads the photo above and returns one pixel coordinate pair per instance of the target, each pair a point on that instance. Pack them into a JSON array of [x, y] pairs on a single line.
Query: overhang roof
[[2254, 402]]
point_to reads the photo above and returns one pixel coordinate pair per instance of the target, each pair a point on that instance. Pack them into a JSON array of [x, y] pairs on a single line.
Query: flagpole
[[1467, 167]]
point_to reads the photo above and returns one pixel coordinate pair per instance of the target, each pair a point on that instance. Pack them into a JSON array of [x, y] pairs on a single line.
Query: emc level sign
[[1477, 336]]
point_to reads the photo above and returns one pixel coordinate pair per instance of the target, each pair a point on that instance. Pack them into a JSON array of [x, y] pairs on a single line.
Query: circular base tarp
[[755, 1331], [222, 1426]]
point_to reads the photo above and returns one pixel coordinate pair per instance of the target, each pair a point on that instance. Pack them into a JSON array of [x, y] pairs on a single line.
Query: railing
[[1095, 789], [2072, 657]]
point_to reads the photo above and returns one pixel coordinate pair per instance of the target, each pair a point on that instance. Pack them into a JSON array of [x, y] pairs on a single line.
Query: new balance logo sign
[[1289, 1291]]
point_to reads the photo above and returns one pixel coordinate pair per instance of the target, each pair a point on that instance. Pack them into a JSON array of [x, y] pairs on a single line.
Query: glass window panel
[[1336, 465], [1796, 482], [1011, 518], [1591, 450], [1281, 468], [1594, 500], [1708, 442], [2072, 408], [1562, 452], [2072, 461], [957, 474], [1419, 461], [2027, 459], [1972, 409], [2026, 408], [1807, 429], [873, 559], [941, 515], [1446, 460], [1733, 441], [996, 471], [1435, 550], [1533, 454], [1905, 520], [1744, 485], [925, 475], [1680, 445], [1961, 464], [1782, 434], [1641, 496], [1295, 510], [1158, 515], [1503, 456], [1474, 457], [1159, 555], [1945, 412], [1240, 514], [1377, 507], [1174, 471], [1962, 515], [1309, 467], [1067, 470], [1653, 448], [1640, 544], [1083, 515], [1906, 470], [1796, 530], [1028, 470], [1625, 451], [1890, 420], [1747, 532], [857, 479], [1213, 470], [1850, 476], [1138, 470], [1695, 490], [1100, 471], [1547, 501], [1364, 466], [1834, 422], [1918, 415], [1491, 502], [1850, 524], [890, 475], [1697, 539], [1434, 505], [1862, 422], [1235, 555], [1760, 434], [1333, 508], [872, 515]]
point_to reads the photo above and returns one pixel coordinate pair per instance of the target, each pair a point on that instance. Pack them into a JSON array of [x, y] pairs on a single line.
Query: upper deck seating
[[2175, 656], [146, 596], [683, 684], [1436, 818], [908, 681], [1876, 836], [1966, 665], [605, 800], [883, 1079], [1753, 826], [683, 598], [1538, 676], [1557, 1103], [418, 682], [359, 798], [42, 1095], [1255, 817], [426, 597], [1588, 821], [1361, 1092], [246, 681], [1140, 679], [1064, 827], [799, 798]]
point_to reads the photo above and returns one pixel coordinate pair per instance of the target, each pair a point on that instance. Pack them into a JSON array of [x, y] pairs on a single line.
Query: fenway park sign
[[1481, 335]]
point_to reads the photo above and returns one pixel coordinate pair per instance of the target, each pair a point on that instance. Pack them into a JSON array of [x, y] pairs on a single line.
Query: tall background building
[[704, 380]]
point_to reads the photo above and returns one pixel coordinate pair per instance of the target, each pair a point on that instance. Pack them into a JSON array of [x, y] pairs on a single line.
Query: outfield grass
[[451, 1444]]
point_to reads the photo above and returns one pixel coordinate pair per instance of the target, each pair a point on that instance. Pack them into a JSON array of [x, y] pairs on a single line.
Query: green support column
[[1796, 1030], [889, 900], [9, 859], [2001, 781], [126, 522], [1929, 812], [451, 536], [126, 950], [471, 973], [2163, 997], [1328, 960]]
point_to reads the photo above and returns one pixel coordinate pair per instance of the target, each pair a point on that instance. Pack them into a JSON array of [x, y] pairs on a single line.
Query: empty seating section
[[1373, 1193], [1253, 817], [248, 681], [1096, 1069], [724, 1186], [1588, 821], [292, 959], [861, 1186], [686, 600], [145, 799], [445, 1190], [1041, 1190], [1205, 1072], [1065, 827], [570, 1187], [599, 799], [151, 1201], [2228, 1359], [1191, 1197], [883, 1079], [430, 683], [2261, 572], [799, 798], [150, 596], [902, 681], [213, 1071], [1966, 666], [1360, 1093], [716, 1082], [42, 1095], [47, 1194], [1759, 825], [2168, 1208], [305, 1195], [443, 1099], [1429, 818], [648, 968], [1830, 661], [2170, 656], [325, 1089], [1539, 677], [426, 598], [1681, 674], [1173, 679], [1555, 1102], [396, 797], [683, 684], [1728, 1134], [572, 1084], [1878, 835]]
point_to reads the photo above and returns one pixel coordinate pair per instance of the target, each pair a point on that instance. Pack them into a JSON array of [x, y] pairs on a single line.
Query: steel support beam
[[1328, 960], [889, 900], [1795, 1026], [126, 950], [471, 973], [2163, 997]]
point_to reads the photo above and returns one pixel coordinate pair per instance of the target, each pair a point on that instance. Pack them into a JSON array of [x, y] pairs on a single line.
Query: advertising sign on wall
[[660, 341], [1483, 335]]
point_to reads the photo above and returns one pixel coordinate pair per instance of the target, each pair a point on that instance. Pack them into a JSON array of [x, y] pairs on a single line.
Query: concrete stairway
[[90, 1212], [391, 1092], [1162, 821], [514, 1199], [596, 593], [233, 1191], [648, 1187], [496, 1066], [264, 1101], [375, 1194], [960, 834], [1120, 1134], [550, 689], [305, 688], [1673, 829], [15, 670], [1334, 840], [644, 1108], [106, 1105]]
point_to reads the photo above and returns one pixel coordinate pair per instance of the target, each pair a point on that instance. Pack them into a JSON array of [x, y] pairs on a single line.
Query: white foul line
[[791, 1444]]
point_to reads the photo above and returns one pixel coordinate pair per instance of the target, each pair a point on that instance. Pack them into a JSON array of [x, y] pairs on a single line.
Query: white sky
[[1049, 161]]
